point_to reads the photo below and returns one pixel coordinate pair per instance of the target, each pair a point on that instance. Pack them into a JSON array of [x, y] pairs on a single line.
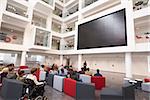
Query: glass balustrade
[[11, 35], [42, 38], [16, 10], [50, 2]]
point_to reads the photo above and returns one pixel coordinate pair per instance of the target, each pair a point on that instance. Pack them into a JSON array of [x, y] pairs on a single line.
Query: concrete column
[[31, 8], [49, 22], [81, 4], [23, 58], [61, 59], [148, 59], [128, 65], [3, 4], [79, 62]]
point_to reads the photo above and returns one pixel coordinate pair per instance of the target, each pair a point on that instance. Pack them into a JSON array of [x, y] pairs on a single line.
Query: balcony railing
[[49, 2], [39, 21], [16, 10], [140, 4], [71, 11], [11, 38], [88, 2], [42, 38]]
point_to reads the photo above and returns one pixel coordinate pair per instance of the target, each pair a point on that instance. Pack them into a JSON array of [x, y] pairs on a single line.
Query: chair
[[110, 94], [42, 76], [23, 67], [99, 82], [128, 91], [125, 93], [85, 91], [58, 83], [70, 87], [11, 89], [50, 79], [147, 80], [85, 78], [146, 86]]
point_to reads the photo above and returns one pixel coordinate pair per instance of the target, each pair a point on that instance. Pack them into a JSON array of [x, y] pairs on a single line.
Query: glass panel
[[16, 10], [39, 21], [42, 38], [61, 1], [58, 12], [8, 58], [34, 60], [56, 27], [142, 30], [55, 44], [67, 1], [9, 34], [139, 4], [50, 2], [71, 11], [89, 2], [70, 27]]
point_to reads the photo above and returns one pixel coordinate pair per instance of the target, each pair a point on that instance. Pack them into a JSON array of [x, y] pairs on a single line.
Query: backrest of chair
[[29, 82], [23, 67]]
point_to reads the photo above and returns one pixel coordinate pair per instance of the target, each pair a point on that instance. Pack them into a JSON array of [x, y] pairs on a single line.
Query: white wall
[[114, 62], [140, 64], [106, 62], [51, 59]]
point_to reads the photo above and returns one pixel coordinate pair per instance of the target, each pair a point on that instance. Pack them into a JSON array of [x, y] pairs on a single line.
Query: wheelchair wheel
[[39, 98], [45, 98]]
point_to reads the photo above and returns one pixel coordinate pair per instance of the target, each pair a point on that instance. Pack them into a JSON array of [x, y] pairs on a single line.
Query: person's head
[[10, 65], [62, 70], [20, 73], [42, 66], [33, 70], [82, 69], [88, 69], [97, 70], [11, 69], [85, 64]]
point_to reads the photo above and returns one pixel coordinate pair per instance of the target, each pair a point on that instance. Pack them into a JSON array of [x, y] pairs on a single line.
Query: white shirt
[[33, 77]]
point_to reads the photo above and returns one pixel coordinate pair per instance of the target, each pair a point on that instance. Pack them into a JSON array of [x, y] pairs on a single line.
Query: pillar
[[79, 62], [128, 65], [148, 59], [61, 59], [23, 58]]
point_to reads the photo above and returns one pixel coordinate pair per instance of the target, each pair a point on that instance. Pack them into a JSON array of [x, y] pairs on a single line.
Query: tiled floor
[[114, 80]]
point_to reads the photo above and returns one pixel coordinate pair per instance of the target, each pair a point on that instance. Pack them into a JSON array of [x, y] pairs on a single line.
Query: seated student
[[75, 75], [54, 69], [44, 68], [82, 71], [33, 77], [6, 69], [97, 73], [88, 72], [62, 72], [11, 74], [20, 75]]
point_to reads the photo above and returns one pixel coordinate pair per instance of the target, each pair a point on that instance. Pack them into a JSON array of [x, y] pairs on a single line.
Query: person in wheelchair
[[33, 89]]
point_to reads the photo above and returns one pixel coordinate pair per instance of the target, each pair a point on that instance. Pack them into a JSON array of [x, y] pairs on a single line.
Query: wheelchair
[[31, 91]]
